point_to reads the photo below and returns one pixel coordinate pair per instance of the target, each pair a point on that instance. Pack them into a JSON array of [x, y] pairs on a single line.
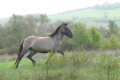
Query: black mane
[[55, 32]]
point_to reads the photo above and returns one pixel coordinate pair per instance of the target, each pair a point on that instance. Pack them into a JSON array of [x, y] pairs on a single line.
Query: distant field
[[99, 16], [78, 66], [88, 13]]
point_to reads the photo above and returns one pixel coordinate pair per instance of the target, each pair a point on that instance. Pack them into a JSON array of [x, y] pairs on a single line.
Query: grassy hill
[[98, 14], [88, 13]]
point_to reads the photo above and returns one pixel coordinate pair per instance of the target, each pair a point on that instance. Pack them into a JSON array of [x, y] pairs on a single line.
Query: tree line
[[94, 37], [19, 27]]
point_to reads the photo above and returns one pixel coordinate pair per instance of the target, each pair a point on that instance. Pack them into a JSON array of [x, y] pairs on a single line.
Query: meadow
[[73, 65], [95, 30], [88, 13], [80, 61]]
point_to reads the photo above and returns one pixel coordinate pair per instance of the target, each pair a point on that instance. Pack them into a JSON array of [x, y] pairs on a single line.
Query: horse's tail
[[20, 50]]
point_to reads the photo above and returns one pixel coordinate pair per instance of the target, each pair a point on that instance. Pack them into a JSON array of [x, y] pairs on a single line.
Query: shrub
[[66, 44], [2, 51], [114, 42], [10, 50], [111, 43], [80, 33], [8, 41], [106, 44], [95, 37]]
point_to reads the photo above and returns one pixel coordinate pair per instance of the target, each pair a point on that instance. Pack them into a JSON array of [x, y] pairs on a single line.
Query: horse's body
[[43, 44], [38, 43]]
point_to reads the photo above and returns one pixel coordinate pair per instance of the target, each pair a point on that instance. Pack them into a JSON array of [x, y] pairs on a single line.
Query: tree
[[42, 24], [30, 25], [81, 36], [43, 19], [16, 26], [96, 38], [102, 31], [2, 31], [113, 28]]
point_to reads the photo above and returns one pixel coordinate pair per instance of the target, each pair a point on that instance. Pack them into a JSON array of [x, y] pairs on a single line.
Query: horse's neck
[[59, 36]]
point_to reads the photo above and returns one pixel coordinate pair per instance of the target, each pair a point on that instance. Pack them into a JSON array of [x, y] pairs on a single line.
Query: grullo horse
[[43, 44]]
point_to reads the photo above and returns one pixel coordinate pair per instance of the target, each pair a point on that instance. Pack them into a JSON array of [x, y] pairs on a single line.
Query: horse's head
[[65, 30]]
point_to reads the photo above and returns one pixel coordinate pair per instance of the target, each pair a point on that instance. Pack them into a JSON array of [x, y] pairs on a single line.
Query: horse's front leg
[[59, 51]]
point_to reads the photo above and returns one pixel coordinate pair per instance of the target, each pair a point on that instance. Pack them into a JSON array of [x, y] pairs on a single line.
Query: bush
[[114, 42], [8, 41], [2, 51], [80, 33], [11, 50], [66, 44], [111, 43], [95, 37], [106, 44]]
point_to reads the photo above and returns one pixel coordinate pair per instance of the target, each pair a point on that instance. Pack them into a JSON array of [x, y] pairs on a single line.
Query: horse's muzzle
[[69, 33]]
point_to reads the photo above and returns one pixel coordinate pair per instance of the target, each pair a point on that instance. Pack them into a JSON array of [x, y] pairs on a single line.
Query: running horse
[[43, 44]]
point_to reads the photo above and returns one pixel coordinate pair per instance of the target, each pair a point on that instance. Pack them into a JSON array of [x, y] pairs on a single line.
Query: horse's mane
[[55, 32]]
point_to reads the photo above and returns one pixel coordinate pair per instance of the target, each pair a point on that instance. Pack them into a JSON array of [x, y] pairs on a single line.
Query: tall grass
[[72, 66]]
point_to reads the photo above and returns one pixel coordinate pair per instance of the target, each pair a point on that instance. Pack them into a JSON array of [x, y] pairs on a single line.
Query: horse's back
[[38, 43], [28, 41]]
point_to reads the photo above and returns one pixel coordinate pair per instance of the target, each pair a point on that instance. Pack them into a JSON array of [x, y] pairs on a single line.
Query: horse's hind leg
[[20, 57], [32, 53]]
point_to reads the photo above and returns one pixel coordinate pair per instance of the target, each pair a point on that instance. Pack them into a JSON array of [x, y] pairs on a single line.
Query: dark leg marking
[[20, 57], [32, 53], [59, 51]]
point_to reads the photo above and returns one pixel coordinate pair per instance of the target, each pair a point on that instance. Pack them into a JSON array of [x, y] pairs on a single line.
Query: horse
[[43, 44]]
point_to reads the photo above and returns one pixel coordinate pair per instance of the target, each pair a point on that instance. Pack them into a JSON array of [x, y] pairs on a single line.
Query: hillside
[[88, 13], [99, 14]]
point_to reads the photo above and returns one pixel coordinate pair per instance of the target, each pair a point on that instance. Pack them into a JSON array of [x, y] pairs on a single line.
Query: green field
[[90, 16], [88, 13], [78, 66]]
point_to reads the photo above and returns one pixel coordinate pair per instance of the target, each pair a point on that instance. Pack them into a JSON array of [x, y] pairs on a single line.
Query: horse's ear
[[65, 23]]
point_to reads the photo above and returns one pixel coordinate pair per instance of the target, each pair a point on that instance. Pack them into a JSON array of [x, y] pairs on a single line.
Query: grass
[[87, 13], [91, 16], [78, 66]]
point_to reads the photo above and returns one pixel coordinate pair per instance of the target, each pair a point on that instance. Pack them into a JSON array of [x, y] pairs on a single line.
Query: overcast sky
[[22, 7]]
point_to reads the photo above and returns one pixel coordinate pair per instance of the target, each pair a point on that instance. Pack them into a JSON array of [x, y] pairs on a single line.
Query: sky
[[24, 7]]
